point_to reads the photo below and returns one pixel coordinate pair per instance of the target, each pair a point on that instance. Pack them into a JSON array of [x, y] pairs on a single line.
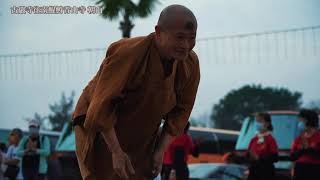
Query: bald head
[[176, 32], [173, 13]]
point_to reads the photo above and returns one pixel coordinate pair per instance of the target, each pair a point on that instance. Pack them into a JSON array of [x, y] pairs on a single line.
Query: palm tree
[[111, 9]]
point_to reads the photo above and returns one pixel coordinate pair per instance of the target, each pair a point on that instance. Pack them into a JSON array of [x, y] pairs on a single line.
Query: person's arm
[[120, 160], [295, 153], [106, 94], [177, 118], [11, 158], [272, 157], [162, 145], [13, 162], [21, 150], [315, 153], [108, 90]]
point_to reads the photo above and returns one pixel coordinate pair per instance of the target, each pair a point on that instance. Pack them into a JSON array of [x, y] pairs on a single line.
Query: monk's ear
[[158, 31]]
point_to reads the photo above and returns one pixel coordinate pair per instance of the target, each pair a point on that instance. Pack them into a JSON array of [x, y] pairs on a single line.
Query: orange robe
[[131, 93]]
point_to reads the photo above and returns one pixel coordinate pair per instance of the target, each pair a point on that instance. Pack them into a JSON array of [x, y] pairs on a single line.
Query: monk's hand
[[122, 164], [157, 162], [120, 160]]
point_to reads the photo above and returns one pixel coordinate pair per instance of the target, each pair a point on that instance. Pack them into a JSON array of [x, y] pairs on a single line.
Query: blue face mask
[[301, 127], [34, 131], [259, 126]]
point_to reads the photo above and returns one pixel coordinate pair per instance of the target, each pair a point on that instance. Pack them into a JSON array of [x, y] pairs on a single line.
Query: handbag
[[11, 172]]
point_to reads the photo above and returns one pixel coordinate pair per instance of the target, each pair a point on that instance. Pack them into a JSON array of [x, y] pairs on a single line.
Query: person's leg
[[165, 172], [299, 172], [314, 171], [182, 172], [31, 175], [26, 173], [40, 177], [267, 172], [252, 173]]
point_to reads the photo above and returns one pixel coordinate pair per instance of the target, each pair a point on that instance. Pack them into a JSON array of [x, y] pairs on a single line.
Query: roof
[[223, 131], [281, 112]]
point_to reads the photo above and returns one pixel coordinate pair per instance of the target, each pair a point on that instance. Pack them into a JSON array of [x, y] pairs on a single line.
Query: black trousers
[[261, 171], [165, 171], [31, 174], [306, 171], [182, 171]]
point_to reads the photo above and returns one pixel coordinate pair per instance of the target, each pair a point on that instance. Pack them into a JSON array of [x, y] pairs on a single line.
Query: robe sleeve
[[178, 117], [108, 89], [85, 97]]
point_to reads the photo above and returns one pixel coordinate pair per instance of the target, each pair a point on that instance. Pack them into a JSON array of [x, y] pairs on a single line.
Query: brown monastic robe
[[131, 93]]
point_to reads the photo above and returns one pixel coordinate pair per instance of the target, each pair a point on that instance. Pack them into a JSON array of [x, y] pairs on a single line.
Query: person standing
[[3, 149], [12, 161], [176, 156], [262, 150], [33, 150], [305, 151]]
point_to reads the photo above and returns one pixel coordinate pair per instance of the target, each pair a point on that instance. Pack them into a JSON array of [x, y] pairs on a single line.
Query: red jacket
[[314, 145], [184, 141], [265, 148]]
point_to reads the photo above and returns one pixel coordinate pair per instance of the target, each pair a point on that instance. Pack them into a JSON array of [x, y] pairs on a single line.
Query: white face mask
[[34, 131]]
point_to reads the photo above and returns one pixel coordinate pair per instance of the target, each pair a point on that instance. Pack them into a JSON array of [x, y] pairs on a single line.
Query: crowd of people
[[25, 157], [263, 151]]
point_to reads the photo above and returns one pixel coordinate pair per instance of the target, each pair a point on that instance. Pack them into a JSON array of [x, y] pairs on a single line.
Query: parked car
[[217, 171]]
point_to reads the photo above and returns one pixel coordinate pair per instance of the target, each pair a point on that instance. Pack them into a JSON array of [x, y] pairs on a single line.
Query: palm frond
[[111, 8], [145, 7]]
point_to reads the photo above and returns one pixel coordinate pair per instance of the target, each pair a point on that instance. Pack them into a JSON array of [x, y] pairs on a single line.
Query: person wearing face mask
[[33, 150], [262, 150], [305, 151]]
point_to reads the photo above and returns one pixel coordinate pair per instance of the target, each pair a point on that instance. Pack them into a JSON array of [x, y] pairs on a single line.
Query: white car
[[217, 171]]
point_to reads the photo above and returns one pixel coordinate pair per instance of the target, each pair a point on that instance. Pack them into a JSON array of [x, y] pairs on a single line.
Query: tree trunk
[[126, 26]]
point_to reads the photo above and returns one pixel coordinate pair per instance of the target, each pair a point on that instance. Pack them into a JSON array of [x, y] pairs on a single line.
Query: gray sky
[[38, 33]]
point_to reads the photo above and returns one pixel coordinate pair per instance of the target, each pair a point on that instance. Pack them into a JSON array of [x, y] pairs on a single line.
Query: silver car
[[217, 171]]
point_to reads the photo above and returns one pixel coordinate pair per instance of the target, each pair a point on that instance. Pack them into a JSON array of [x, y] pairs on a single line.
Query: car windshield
[[284, 131], [202, 170]]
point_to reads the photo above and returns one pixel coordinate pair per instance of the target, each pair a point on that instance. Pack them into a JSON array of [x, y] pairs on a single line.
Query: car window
[[209, 141], [285, 130], [246, 133]]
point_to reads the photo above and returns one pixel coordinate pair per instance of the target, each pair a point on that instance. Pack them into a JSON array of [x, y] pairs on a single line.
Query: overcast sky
[[42, 33]]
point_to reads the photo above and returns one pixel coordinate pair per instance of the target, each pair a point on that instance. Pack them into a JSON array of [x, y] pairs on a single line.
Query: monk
[[141, 82]]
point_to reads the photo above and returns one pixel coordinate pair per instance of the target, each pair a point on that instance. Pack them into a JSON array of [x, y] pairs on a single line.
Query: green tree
[[196, 123], [112, 9], [314, 105], [61, 112], [237, 104]]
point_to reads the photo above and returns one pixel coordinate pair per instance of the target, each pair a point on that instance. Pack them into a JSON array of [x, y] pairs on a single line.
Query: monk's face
[[177, 40]]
